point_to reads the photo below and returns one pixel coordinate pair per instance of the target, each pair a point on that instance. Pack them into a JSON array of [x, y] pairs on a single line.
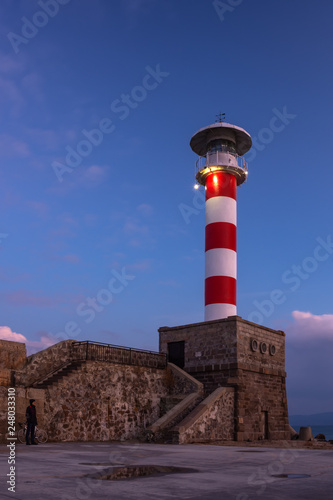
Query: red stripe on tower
[[220, 246]]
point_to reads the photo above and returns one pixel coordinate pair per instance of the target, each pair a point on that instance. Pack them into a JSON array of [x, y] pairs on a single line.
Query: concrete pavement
[[69, 471]]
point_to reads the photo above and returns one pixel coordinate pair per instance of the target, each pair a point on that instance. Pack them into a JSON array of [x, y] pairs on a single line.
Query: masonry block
[[233, 352]]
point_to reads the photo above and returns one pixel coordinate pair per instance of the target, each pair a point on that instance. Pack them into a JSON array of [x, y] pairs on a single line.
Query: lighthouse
[[221, 168]]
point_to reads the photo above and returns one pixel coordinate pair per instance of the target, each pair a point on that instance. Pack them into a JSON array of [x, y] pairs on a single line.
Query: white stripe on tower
[[220, 246]]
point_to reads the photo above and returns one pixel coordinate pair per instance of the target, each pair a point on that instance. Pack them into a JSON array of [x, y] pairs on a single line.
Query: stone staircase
[[170, 402], [162, 429], [175, 407], [57, 374], [213, 416]]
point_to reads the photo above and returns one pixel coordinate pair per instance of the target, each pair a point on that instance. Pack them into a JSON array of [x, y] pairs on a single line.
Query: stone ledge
[[230, 319], [201, 409], [172, 414], [236, 366], [199, 386]]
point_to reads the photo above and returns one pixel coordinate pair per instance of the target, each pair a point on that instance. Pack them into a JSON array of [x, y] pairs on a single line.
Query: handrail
[[99, 351], [219, 158], [102, 353], [92, 342]]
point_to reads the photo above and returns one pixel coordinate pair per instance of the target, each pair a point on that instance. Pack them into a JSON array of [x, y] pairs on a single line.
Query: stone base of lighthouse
[[240, 355]]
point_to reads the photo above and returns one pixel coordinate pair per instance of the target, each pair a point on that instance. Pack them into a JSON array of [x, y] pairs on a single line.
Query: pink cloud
[[7, 334], [27, 298], [145, 209], [94, 174], [71, 258], [10, 64], [10, 274], [45, 341], [310, 326], [133, 227], [33, 346], [83, 178]]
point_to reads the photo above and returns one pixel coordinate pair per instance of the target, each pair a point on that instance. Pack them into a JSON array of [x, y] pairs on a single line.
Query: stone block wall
[[212, 420], [206, 344], [233, 352], [104, 401], [261, 396], [43, 362], [12, 357], [101, 400]]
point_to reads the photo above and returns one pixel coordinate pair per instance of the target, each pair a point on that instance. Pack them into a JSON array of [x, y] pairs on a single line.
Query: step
[[58, 375]]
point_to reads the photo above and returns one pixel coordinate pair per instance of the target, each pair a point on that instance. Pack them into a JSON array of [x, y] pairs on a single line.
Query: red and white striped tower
[[221, 168]]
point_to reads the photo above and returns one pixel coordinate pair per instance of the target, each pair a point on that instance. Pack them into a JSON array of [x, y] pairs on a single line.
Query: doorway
[[176, 353]]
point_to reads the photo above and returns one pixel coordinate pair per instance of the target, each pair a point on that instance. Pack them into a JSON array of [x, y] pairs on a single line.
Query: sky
[[101, 231]]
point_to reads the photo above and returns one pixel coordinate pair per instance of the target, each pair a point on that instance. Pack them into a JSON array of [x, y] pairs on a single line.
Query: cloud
[[7, 334], [145, 209], [87, 178], [94, 175], [27, 298], [71, 258], [33, 346], [66, 228], [45, 341], [310, 326], [134, 227], [309, 347], [10, 65], [138, 233]]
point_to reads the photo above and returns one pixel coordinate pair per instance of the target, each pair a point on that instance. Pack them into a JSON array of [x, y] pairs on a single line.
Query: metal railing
[[98, 351], [220, 158]]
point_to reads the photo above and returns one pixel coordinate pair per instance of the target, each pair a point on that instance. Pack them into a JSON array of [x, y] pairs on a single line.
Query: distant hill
[[315, 419]]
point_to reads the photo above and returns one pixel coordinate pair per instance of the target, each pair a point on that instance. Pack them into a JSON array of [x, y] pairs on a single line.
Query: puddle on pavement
[[292, 476], [128, 472]]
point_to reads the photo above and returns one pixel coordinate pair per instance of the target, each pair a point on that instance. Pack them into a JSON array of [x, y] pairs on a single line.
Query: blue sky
[[101, 232]]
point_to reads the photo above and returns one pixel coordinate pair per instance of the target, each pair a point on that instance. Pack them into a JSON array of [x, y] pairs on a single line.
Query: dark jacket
[[31, 415]]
